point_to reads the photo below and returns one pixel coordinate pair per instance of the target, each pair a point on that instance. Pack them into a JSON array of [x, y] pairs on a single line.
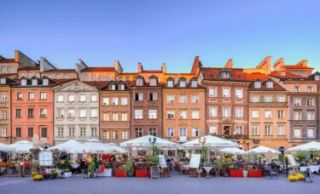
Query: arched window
[[170, 83], [182, 83]]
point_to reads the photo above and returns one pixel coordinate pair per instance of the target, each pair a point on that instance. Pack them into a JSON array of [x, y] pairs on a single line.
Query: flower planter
[[141, 173], [255, 173], [235, 172], [106, 173], [67, 174], [120, 173]]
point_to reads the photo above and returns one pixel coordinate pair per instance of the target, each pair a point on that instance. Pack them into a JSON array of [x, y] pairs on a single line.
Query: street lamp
[[152, 141]]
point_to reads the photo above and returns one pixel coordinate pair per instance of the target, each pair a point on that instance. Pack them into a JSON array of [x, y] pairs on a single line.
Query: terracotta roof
[[37, 67], [61, 70], [297, 66], [276, 86], [94, 69], [256, 76], [4, 60], [285, 75], [152, 71], [210, 73], [98, 84]]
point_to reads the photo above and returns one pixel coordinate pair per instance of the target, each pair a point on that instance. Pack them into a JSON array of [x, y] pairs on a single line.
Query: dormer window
[[225, 74], [182, 83], [194, 83], [153, 81], [45, 82], [113, 87], [24, 82], [3, 80], [317, 77], [121, 87], [170, 83], [269, 84], [34, 82], [139, 82], [257, 84]]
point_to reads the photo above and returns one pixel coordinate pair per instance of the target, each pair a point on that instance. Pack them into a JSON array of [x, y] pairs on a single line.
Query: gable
[[75, 86]]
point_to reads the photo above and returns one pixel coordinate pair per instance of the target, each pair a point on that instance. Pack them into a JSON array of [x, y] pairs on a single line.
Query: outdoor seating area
[[153, 157]]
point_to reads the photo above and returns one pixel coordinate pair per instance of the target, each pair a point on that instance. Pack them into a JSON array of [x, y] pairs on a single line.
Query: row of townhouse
[[272, 104]]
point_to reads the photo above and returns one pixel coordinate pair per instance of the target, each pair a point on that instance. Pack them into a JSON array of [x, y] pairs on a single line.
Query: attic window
[[225, 74], [34, 82], [45, 82], [182, 83], [170, 83], [153, 81], [269, 84], [3, 80], [139, 82], [317, 77], [23, 82], [194, 83], [257, 84], [113, 87], [121, 87]]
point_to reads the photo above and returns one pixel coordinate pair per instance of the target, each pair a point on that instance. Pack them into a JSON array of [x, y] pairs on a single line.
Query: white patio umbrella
[[95, 146], [311, 146], [212, 142], [233, 151], [263, 150], [5, 148], [71, 147], [145, 142], [21, 147]]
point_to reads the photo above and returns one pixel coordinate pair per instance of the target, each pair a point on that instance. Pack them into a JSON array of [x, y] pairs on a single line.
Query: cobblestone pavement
[[176, 184]]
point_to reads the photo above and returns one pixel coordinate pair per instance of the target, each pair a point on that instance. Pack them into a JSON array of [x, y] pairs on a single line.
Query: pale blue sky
[[153, 32]]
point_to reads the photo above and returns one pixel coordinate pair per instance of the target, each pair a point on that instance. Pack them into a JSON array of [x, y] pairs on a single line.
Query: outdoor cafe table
[[313, 168]]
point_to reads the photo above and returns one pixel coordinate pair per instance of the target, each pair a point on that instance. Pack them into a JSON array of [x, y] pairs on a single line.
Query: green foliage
[[152, 160], [108, 164], [155, 151], [91, 167], [64, 165], [204, 153], [301, 156], [54, 174], [218, 164]]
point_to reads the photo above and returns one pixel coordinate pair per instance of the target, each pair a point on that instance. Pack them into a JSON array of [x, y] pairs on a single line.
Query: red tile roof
[[95, 69], [210, 73], [97, 84], [256, 76], [285, 75], [4, 60], [297, 66], [37, 67], [61, 70]]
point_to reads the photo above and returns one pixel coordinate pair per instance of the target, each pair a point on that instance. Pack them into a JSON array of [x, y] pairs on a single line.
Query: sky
[[162, 31]]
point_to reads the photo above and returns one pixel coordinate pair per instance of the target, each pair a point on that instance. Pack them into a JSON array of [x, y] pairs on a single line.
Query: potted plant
[[121, 171], [254, 171], [129, 168], [235, 171]]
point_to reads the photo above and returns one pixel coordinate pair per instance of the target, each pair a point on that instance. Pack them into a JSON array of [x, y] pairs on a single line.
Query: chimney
[[16, 56], [278, 64], [164, 68], [303, 63], [265, 64], [196, 65], [140, 67], [117, 66], [229, 64]]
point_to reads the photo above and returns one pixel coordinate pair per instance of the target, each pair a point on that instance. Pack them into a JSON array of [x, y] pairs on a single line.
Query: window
[[4, 98], [83, 131], [296, 89], [94, 98], [124, 117], [105, 101], [170, 132], [115, 116], [310, 133], [267, 130], [82, 98], [124, 101], [281, 130], [239, 93], [213, 111], [31, 96], [153, 81], [71, 98], [213, 92], [18, 132], [43, 95], [255, 114], [254, 98], [183, 114], [226, 111], [43, 112], [170, 114], [3, 80], [115, 101], [317, 77], [310, 102], [225, 74], [18, 113], [115, 134], [195, 132], [310, 115], [139, 82], [138, 114], [153, 131], [213, 130], [106, 117], [257, 84], [268, 114], [44, 132], [105, 134], [94, 113], [280, 114], [194, 83], [182, 99], [152, 114], [124, 134], [153, 96], [138, 96], [297, 115], [30, 113], [30, 132], [83, 113], [34, 82], [183, 132], [269, 84], [254, 130], [239, 112], [238, 130], [195, 115], [45, 82], [112, 87], [71, 132], [170, 83], [194, 99], [281, 98], [60, 113], [267, 98], [19, 96], [122, 87], [139, 132], [60, 131], [226, 92], [182, 83], [310, 89], [297, 102], [3, 115], [23, 82], [296, 133], [60, 98], [71, 113], [170, 98]]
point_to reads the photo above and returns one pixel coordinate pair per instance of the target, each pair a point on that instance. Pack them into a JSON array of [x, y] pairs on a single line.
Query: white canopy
[[5, 148], [234, 151], [23, 146], [210, 141], [95, 146], [263, 150], [71, 147], [311, 146], [144, 142]]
